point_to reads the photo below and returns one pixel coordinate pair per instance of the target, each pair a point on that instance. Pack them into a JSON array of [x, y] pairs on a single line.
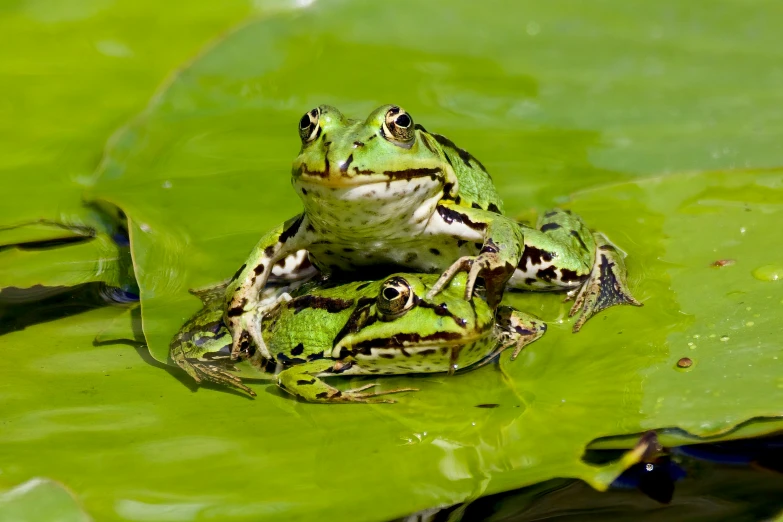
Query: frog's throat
[[405, 342], [356, 177]]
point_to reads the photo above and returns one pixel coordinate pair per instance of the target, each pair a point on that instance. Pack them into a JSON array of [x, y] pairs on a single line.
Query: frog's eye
[[308, 125], [398, 127], [395, 298]]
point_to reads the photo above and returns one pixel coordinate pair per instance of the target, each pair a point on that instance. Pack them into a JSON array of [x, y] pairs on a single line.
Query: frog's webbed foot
[[487, 265], [517, 329], [606, 286], [210, 371]]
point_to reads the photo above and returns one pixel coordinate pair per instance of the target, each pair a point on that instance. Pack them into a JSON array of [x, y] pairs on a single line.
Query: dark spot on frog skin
[[288, 361], [444, 350], [476, 205], [387, 355], [358, 144], [409, 174], [324, 395], [259, 269], [234, 311], [535, 255], [304, 191], [328, 253], [447, 188], [238, 272], [434, 251], [490, 248], [298, 349], [547, 274], [551, 213], [305, 382], [293, 229], [568, 276], [346, 249], [363, 286], [411, 257], [530, 281], [330, 304], [493, 208], [487, 405], [606, 248], [268, 251], [578, 238], [460, 242], [346, 163], [426, 352], [550, 226], [479, 246]]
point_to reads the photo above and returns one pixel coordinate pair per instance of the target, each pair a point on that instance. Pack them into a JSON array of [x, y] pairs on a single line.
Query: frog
[[386, 193], [324, 328]]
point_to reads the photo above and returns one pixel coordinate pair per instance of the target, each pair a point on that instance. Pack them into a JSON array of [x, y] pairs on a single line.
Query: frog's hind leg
[[606, 286], [301, 381]]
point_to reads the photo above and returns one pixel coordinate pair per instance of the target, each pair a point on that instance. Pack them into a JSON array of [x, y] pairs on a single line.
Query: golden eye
[[309, 129], [395, 298], [398, 127]]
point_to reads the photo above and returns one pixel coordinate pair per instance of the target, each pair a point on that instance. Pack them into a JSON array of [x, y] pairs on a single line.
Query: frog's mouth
[[348, 176]]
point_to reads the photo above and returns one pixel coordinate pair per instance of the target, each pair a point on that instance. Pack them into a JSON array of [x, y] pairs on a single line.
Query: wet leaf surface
[[602, 99]]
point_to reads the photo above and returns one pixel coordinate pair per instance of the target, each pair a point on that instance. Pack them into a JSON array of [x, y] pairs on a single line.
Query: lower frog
[[325, 329]]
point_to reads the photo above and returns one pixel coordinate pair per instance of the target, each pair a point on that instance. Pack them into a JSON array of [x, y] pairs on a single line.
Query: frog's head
[[382, 160], [400, 321]]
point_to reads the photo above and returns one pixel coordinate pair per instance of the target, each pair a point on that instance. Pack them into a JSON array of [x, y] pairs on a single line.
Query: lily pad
[[551, 101], [40, 500]]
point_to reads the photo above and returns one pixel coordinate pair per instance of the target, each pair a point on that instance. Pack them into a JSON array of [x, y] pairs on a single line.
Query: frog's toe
[[607, 285], [205, 371], [358, 395], [463, 264]]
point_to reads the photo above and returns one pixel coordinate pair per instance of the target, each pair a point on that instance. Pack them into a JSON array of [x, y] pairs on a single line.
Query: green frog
[[324, 329], [386, 192]]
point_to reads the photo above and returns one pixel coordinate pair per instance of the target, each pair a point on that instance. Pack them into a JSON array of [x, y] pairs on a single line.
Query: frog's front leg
[[302, 381], [607, 285], [242, 294], [517, 329], [501, 238]]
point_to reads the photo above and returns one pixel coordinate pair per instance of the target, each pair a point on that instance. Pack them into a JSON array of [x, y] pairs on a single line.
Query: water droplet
[[748, 308], [768, 273], [690, 344], [712, 336], [166, 184], [749, 323], [742, 230], [649, 467], [685, 362], [724, 338]]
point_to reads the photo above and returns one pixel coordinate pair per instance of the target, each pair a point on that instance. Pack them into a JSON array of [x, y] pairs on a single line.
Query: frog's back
[[475, 183]]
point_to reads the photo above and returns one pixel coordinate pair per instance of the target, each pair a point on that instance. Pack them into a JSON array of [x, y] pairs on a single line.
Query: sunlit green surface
[[552, 100]]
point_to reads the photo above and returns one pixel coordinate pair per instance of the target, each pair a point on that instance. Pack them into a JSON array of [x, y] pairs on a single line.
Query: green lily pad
[[551, 101]]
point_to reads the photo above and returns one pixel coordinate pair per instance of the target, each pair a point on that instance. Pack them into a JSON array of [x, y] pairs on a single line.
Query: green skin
[[379, 327], [384, 191]]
